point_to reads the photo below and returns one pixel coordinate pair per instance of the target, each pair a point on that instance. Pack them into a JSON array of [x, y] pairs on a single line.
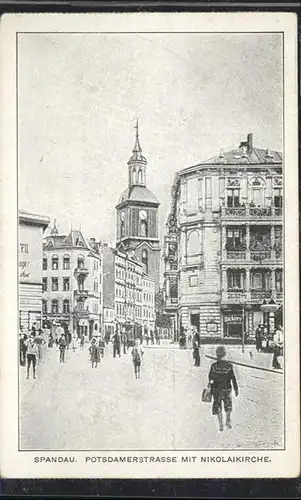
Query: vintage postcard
[[149, 257]]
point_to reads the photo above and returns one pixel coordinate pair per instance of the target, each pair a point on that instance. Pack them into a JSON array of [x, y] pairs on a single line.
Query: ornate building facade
[[223, 244], [72, 282], [137, 216]]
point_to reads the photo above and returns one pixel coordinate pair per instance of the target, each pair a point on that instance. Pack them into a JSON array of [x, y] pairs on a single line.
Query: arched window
[[143, 228], [193, 247], [44, 306], [66, 262], [55, 262], [134, 177], [258, 186], [145, 259], [80, 262], [66, 306], [140, 176]]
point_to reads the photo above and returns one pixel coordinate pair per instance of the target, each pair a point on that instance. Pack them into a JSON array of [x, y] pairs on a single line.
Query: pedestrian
[[152, 337], [22, 347], [94, 351], [278, 348], [82, 341], [221, 380], [259, 338], [39, 340], [50, 340], [102, 346], [62, 348], [196, 343], [32, 354], [137, 355], [116, 343], [124, 341]]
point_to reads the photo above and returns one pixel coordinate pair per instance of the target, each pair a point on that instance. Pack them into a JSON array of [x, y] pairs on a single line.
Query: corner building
[[223, 243], [137, 216]]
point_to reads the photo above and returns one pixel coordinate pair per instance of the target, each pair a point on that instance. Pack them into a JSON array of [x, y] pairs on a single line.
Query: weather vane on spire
[[137, 147]]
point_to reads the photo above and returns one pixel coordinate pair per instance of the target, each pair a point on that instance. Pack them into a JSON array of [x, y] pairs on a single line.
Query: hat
[[220, 351]]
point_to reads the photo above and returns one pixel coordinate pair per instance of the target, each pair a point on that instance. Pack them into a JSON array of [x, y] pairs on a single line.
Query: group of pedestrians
[[30, 349]]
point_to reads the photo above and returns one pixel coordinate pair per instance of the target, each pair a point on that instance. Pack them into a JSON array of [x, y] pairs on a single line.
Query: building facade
[[31, 229], [223, 244], [72, 282], [124, 289], [137, 216]]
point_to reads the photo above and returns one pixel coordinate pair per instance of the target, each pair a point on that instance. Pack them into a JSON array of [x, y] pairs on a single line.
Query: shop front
[[234, 322]]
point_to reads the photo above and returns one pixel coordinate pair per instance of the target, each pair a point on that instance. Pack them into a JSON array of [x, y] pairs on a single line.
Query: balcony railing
[[81, 270], [236, 255], [234, 296], [260, 255], [253, 212], [260, 295], [235, 211], [81, 293], [260, 211], [81, 313]]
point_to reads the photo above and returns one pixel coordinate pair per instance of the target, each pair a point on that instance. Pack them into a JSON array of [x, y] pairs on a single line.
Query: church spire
[[137, 147]]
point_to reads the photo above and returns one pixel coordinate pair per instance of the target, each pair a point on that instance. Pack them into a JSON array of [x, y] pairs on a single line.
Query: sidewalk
[[250, 357]]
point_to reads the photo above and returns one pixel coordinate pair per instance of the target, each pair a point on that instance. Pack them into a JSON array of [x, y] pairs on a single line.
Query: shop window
[[55, 284], [54, 307], [66, 263], [66, 306], [55, 263], [44, 264]]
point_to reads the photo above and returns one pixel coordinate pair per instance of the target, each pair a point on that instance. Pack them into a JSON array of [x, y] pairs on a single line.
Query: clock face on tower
[[143, 215]]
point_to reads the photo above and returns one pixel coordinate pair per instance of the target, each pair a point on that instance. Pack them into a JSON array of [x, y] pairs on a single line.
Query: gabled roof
[[74, 239]]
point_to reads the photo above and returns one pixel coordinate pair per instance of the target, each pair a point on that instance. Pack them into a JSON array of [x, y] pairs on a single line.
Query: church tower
[[137, 216]]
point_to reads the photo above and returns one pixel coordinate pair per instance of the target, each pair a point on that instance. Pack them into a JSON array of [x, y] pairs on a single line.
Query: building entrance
[[195, 320]]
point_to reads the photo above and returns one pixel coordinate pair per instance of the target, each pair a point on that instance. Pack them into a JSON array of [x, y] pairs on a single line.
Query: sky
[[79, 96]]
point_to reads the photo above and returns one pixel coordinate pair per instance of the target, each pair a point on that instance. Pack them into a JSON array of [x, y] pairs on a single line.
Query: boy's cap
[[220, 351]]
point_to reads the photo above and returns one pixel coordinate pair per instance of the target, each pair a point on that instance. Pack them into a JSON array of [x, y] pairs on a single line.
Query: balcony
[[81, 271], [260, 211], [234, 211], [234, 296], [171, 303], [81, 313], [260, 295], [81, 293], [236, 255], [260, 255], [251, 212]]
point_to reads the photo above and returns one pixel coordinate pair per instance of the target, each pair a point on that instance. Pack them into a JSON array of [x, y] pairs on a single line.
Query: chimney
[[250, 142]]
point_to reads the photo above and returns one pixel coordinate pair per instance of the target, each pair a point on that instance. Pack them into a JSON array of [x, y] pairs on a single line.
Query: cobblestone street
[[71, 406]]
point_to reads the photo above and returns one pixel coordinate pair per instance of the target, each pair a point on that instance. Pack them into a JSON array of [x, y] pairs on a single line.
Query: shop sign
[[211, 327], [234, 319]]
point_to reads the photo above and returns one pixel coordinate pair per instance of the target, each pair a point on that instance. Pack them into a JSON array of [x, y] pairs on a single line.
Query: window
[[44, 284], [140, 176], [235, 280], [122, 229], [44, 264], [278, 197], [261, 280], [278, 280], [55, 284], [55, 263], [193, 280], [232, 197], [54, 307], [145, 259], [193, 244], [235, 238], [143, 228], [44, 306], [192, 194], [134, 176], [80, 263], [66, 306], [66, 263], [66, 284]]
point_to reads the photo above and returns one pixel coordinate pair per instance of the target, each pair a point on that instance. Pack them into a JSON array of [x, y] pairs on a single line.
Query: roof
[[33, 219], [138, 193], [74, 239], [242, 155]]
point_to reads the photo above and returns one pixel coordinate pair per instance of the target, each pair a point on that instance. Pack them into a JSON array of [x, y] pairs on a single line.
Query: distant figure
[[32, 354], [137, 355], [62, 347], [95, 354], [278, 348], [22, 348], [196, 343], [39, 340], [50, 340], [251, 354], [34, 329], [102, 346], [82, 341], [259, 338], [221, 380], [182, 339], [116, 344], [124, 341]]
